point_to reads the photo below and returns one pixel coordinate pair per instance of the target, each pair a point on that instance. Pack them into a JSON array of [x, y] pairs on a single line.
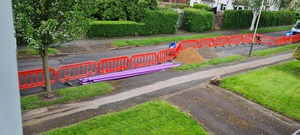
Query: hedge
[[163, 21], [238, 19], [198, 20], [202, 7], [113, 29]]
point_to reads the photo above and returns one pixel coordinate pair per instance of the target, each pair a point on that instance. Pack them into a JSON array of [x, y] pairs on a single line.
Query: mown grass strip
[[151, 118], [215, 61], [269, 29], [30, 52], [66, 95], [275, 87], [157, 40], [275, 50]]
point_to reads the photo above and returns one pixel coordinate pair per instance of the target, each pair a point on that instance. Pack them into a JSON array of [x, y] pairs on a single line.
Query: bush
[[113, 28], [163, 21], [238, 19], [202, 7], [130, 10], [197, 20], [180, 6]]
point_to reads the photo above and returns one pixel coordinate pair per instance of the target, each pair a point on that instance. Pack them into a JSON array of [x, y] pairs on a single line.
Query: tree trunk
[[44, 54], [255, 14]]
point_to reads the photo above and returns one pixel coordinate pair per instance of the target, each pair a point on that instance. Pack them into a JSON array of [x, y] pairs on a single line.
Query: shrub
[[180, 6], [198, 20], [202, 7], [162, 21], [237, 19], [113, 28]]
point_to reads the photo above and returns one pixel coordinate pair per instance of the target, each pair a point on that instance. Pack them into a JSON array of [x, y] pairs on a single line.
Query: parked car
[[296, 28]]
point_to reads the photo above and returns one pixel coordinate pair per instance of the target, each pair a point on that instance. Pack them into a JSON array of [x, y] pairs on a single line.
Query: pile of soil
[[207, 53], [189, 56]]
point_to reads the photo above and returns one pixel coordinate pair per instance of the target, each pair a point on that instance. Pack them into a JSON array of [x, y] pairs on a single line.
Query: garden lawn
[[276, 87], [155, 117], [157, 40], [30, 52], [66, 95], [269, 29]]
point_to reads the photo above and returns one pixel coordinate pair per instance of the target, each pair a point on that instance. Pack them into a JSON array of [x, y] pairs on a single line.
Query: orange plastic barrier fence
[[142, 60], [76, 71], [34, 78], [247, 38], [165, 55], [269, 40], [189, 43], [296, 38], [235, 39], [206, 42], [221, 41], [289, 39], [281, 40], [178, 48], [115, 64]]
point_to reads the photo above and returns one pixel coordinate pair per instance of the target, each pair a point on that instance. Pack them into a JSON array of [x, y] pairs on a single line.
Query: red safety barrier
[[142, 60], [221, 41], [76, 71], [115, 64], [296, 38], [247, 38], [34, 78], [188, 44], [289, 39], [281, 40], [178, 48], [206, 42], [165, 55], [269, 40], [235, 39]]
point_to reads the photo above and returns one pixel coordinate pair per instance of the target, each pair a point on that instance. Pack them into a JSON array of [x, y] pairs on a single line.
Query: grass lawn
[[30, 52], [269, 29], [66, 95], [155, 117], [271, 51], [276, 87], [215, 61], [157, 40]]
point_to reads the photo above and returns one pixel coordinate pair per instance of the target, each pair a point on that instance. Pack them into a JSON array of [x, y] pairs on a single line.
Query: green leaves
[[198, 20]]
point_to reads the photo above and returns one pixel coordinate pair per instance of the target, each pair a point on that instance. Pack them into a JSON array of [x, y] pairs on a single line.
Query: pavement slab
[[223, 112]]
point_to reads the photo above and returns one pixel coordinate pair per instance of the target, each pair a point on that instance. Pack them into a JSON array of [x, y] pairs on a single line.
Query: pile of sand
[[189, 56], [207, 53]]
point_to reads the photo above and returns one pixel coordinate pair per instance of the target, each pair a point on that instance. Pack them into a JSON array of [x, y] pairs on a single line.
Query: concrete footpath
[[40, 116]]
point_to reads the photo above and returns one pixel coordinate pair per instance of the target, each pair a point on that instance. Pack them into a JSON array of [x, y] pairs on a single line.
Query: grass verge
[[30, 52], [66, 95], [156, 40], [269, 29], [215, 61], [276, 87], [155, 117], [271, 51]]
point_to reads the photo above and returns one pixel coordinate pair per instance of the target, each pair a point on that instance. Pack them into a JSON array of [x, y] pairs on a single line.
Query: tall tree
[[44, 22], [254, 5]]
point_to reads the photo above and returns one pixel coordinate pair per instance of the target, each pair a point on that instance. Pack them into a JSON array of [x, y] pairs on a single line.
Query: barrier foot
[[68, 83]]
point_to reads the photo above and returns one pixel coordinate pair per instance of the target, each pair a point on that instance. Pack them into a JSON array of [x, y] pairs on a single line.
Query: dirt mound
[[189, 56], [207, 53]]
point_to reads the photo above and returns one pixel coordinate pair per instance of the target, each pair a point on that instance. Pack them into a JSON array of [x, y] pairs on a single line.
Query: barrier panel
[[188, 44], [34, 78], [281, 40], [76, 71], [206, 42], [165, 55], [115, 64], [247, 38], [220, 41], [269, 40], [289, 39], [178, 48], [142, 60], [235, 39], [296, 38]]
